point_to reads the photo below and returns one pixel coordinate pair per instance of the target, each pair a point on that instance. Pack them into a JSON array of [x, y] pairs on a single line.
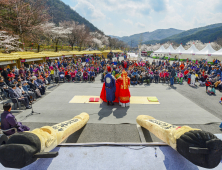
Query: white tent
[[204, 53], [190, 52], [170, 50], [217, 55], [178, 51], [159, 52]]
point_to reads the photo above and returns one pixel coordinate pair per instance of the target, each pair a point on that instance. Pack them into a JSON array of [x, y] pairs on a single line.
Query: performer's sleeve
[[200, 147]]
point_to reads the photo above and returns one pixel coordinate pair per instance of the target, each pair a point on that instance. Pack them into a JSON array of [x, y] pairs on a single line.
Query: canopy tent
[[170, 50], [178, 52], [204, 53], [189, 53], [132, 56], [158, 52], [216, 55]]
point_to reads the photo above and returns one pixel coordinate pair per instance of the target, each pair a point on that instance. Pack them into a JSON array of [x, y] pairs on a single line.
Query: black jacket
[[173, 73]]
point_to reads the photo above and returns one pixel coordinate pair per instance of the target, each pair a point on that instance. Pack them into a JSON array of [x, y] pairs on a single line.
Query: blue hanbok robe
[[110, 84]]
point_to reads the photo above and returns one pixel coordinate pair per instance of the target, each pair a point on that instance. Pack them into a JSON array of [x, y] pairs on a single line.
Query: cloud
[[140, 25], [128, 21], [135, 16], [88, 10]]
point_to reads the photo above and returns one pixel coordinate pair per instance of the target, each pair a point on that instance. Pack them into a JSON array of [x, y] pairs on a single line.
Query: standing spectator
[[172, 75]]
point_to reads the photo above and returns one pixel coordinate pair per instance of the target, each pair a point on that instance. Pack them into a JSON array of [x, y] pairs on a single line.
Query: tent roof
[[170, 49], [160, 50], [179, 50], [191, 50], [218, 52], [207, 50]]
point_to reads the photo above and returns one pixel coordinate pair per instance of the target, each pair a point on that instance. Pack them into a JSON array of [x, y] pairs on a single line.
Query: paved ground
[[179, 105]]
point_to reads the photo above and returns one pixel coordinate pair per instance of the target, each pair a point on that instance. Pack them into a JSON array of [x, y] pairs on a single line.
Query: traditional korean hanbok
[[124, 93]]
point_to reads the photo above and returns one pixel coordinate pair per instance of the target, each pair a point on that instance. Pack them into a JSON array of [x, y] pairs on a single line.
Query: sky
[[128, 17]]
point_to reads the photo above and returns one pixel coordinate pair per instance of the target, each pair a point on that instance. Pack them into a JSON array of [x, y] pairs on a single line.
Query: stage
[[115, 158]]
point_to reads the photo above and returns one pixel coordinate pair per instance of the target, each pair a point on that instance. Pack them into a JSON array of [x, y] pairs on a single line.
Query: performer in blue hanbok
[[110, 86]]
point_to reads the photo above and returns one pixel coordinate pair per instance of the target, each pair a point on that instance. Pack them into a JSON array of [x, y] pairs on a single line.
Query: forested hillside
[[59, 11], [204, 34]]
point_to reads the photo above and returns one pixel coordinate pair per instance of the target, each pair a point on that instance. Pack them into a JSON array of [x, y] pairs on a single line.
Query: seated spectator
[[180, 77], [166, 76], [62, 75], [14, 94], [34, 88], [220, 86], [67, 75], [140, 80], [208, 83], [133, 80], [147, 78], [73, 74], [156, 76], [201, 80], [23, 93], [135, 73], [4, 86], [217, 80], [85, 76], [8, 121], [162, 76], [28, 91], [78, 75], [39, 86], [47, 76], [92, 75]]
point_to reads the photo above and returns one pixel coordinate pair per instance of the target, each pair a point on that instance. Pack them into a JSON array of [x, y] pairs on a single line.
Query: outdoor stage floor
[[173, 108]]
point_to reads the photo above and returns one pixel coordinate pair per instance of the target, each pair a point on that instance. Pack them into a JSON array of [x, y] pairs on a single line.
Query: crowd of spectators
[[163, 71], [30, 80]]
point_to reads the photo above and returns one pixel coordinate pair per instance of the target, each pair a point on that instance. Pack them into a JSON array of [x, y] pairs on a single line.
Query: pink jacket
[[180, 75]]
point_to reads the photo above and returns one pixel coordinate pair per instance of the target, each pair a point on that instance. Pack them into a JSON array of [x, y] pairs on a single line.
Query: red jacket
[[186, 72], [161, 74], [208, 83], [166, 74]]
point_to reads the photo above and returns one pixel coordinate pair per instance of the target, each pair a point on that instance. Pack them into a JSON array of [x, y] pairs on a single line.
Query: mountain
[[204, 34], [146, 36], [59, 12]]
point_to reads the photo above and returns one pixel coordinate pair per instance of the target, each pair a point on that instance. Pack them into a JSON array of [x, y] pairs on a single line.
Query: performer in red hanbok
[[124, 93]]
